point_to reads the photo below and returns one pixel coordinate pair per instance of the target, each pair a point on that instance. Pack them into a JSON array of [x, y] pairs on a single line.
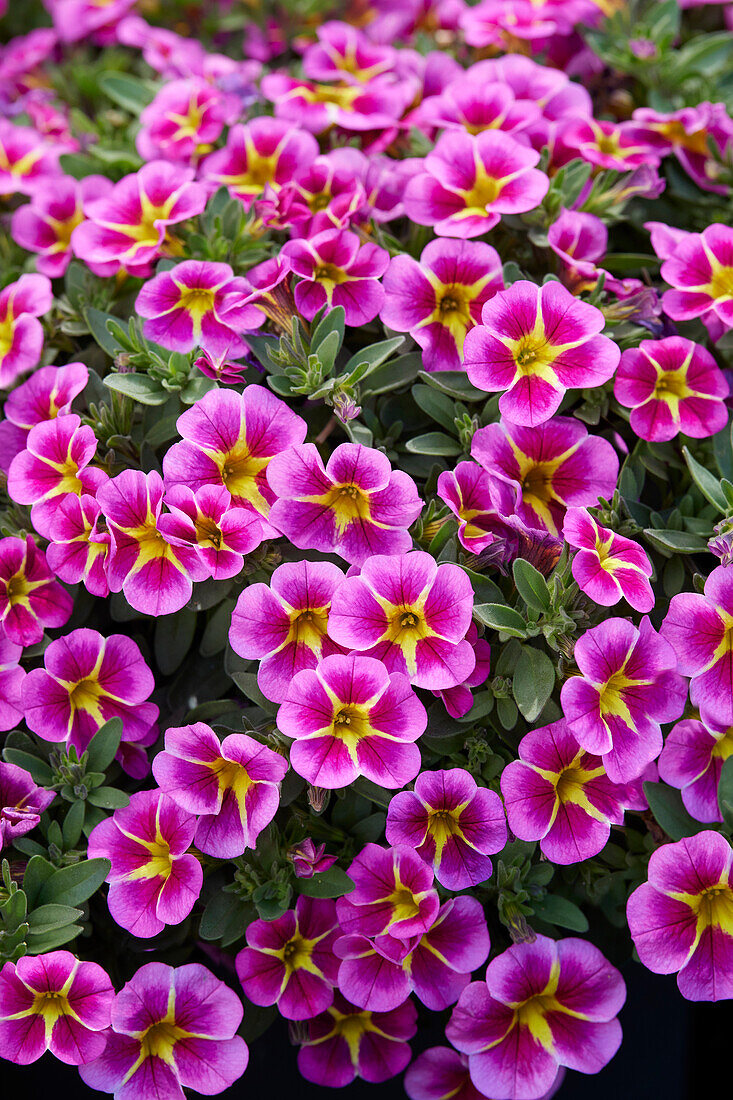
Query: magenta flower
[[21, 333], [290, 961], [471, 103], [410, 613], [21, 801], [438, 299], [700, 629], [264, 152], [11, 683], [551, 467], [228, 439], [335, 269], [232, 785], [154, 575], [618, 146], [627, 684], [478, 501], [309, 860], [579, 240], [45, 225], [77, 19], [198, 304], [452, 824], [671, 386], [439, 1073], [46, 394], [681, 920], [129, 226], [692, 760], [28, 164], [153, 882], [393, 893], [54, 1002], [283, 625], [184, 120], [346, 1042], [349, 717], [326, 194], [80, 543], [536, 342], [55, 462], [700, 271], [375, 105], [469, 181], [458, 700], [607, 566], [205, 520], [354, 507], [172, 1028], [686, 133], [543, 1005], [30, 597], [343, 52], [86, 680], [559, 794]]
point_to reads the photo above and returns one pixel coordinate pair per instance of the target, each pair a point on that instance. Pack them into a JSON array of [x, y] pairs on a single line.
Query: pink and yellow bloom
[[28, 164], [184, 120], [452, 824], [46, 394], [375, 105], [681, 919], [54, 1002], [80, 543], [692, 760], [336, 269], [350, 717], [206, 521], [393, 893], [21, 333], [233, 786], [700, 272], [264, 152], [30, 597], [11, 683], [619, 146], [607, 566], [21, 801], [45, 225], [535, 343], [479, 501]]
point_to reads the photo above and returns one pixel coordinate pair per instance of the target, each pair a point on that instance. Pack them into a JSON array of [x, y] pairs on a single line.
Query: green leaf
[[328, 350], [38, 871], [682, 542], [725, 792], [141, 388], [236, 668], [706, 482], [454, 383], [73, 824], [173, 638], [374, 355], [74, 884], [484, 588], [502, 618], [126, 91], [437, 405], [38, 769], [392, 375], [215, 635], [333, 883], [225, 918], [333, 321], [195, 389], [108, 798], [104, 745], [55, 937], [433, 443], [531, 585], [97, 321], [48, 917], [534, 679], [669, 811], [562, 913]]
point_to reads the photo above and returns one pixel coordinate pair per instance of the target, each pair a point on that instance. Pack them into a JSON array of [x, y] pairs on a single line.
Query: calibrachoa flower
[[172, 1028], [184, 120], [607, 566], [153, 882], [28, 164], [627, 685], [336, 269], [155, 576], [198, 304], [30, 597], [21, 333], [458, 700], [205, 520], [75, 19], [393, 893], [48, 393], [439, 299], [469, 181], [80, 543], [453, 824], [290, 961], [681, 920], [552, 467], [265, 151], [536, 342], [375, 105], [700, 271], [231, 785], [440, 1073], [559, 794], [410, 613], [692, 760], [700, 628], [346, 1042], [229, 439], [543, 1005], [309, 860], [615, 145], [283, 625], [354, 507], [671, 386], [21, 801], [54, 1002], [86, 680], [349, 717], [45, 225], [478, 500]]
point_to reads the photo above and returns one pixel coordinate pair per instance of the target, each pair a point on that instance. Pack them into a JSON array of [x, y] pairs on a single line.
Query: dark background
[[672, 1049]]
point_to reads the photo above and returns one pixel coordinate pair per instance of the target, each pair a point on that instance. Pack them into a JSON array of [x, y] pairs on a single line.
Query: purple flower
[[692, 760], [21, 802], [393, 893], [11, 683], [441, 1073], [309, 860]]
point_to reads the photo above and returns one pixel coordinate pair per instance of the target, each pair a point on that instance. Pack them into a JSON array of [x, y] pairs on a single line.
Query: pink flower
[[80, 543], [671, 386], [264, 151], [478, 500], [681, 920], [184, 120], [283, 625], [440, 1073], [54, 1002], [686, 133], [153, 882], [469, 181], [458, 700], [232, 785], [48, 393], [439, 299], [349, 717], [30, 597], [607, 566], [326, 194], [77, 19], [21, 334], [692, 760], [205, 520], [290, 961], [579, 240], [11, 683], [453, 824], [471, 103], [410, 613], [343, 52], [335, 269], [535, 343], [198, 304], [700, 271], [21, 801], [354, 507], [309, 860], [172, 1028], [375, 105], [28, 164], [612, 145], [393, 893], [45, 225]]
